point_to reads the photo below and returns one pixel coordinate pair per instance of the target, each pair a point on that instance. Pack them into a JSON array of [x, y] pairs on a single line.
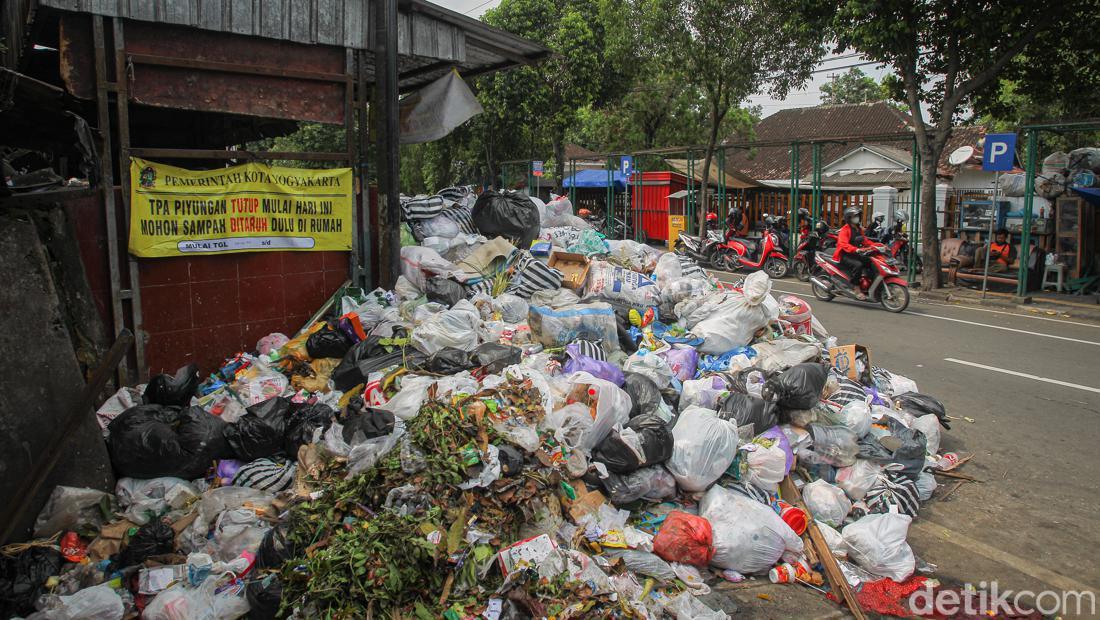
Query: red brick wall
[[203, 309]]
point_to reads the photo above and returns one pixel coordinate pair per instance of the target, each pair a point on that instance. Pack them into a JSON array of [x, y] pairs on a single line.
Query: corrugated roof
[[732, 178]]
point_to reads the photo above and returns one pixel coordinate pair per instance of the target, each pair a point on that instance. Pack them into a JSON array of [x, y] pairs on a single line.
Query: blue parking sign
[[1000, 152], [626, 165]]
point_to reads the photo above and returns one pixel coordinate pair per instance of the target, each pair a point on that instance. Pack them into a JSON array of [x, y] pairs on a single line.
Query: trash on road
[[603, 431]]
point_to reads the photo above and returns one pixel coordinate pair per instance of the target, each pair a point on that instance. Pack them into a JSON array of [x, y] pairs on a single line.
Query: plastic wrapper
[[749, 537], [685, 538], [877, 544], [457, 328], [827, 502], [798, 387], [704, 446], [726, 320], [557, 327], [836, 444], [645, 441], [621, 285], [151, 441]]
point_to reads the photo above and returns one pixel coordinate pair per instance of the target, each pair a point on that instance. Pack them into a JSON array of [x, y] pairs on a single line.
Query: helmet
[[712, 216], [900, 215], [584, 212], [769, 220], [735, 213], [853, 214], [879, 217], [803, 213], [822, 228]]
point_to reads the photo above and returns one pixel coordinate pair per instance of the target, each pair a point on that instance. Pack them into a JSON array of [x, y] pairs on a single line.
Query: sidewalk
[[1047, 304]]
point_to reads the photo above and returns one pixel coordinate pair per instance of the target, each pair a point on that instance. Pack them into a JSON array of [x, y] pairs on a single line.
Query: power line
[[479, 6]]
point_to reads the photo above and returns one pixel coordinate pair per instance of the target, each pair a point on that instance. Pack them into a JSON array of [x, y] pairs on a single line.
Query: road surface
[[1032, 388]]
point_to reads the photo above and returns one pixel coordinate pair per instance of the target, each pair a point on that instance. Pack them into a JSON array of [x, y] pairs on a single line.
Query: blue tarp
[[1090, 194], [597, 179]]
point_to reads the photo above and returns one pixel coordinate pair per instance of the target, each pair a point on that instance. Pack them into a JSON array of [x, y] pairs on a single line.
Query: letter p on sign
[[1000, 152]]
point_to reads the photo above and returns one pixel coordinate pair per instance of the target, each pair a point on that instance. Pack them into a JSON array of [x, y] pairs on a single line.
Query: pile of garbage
[[535, 422]]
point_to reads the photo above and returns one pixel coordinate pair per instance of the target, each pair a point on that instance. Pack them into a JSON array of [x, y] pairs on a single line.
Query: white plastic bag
[[834, 540], [827, 502], [512, 308], [858, 479], [612, 407], [419, 263], [767, 466], [406, 403], [749, 537], [783, 353], [705, 392], [856, 416], [727, 320], [182, 602], [930, 426], [901, 385], [650, 365], [704, 446], [96, 603], [877, 544], [457, 327]]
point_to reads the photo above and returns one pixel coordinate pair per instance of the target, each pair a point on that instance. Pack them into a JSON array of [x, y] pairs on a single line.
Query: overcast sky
[[806, 97]]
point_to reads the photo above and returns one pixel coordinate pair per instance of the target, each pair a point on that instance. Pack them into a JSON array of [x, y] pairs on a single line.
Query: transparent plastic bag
[[650, 365], [512, 308], [645, 563], [205, 602], [67, 509], [877, 544], [142, 498], [612, 407], [856, 417], [95, 603], [826, 502], [836, 444], [704, 447], [749, 537], [858, 479], [457, 328]]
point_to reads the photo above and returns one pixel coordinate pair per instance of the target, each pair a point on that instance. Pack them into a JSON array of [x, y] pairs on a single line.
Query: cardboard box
[[844, 361], [574, 268]]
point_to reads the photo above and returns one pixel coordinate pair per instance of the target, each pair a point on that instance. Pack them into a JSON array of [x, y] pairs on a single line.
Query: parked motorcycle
[[618, 229], [752, 254], [701, 251], [897, 247], [804, 256], [887, 288]]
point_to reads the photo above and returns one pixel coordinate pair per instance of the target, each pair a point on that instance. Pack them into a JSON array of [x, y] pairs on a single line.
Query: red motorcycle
[[887, 288], [817, 239], [764, 254]]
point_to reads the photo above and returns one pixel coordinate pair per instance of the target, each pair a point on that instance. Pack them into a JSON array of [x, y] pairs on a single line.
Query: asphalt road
[[1032, 388]]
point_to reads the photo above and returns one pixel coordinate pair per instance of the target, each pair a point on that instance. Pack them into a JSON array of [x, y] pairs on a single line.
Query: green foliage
[[855, 86]]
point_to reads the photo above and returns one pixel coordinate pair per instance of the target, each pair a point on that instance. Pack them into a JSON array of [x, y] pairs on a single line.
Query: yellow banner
[[247, 208]]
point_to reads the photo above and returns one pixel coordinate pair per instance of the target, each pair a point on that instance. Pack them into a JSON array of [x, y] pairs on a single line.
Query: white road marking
[[1001, 327], [1022, 374], [1021, 315], [1025, 566]]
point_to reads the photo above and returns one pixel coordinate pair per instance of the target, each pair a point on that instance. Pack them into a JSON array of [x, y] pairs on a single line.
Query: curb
[[1085, 311]]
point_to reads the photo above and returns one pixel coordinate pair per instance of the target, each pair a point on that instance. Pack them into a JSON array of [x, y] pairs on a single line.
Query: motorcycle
[[618, 229], [887, 288], [763, 254], [804, 257], [897, 247], [702, 252]]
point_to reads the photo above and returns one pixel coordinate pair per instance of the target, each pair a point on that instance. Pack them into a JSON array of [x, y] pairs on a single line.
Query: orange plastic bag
[[684, 538]]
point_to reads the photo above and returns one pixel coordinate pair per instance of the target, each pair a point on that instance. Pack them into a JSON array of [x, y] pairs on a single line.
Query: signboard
[[1000, 152], [536, 168], [246, 208], [626, 165]]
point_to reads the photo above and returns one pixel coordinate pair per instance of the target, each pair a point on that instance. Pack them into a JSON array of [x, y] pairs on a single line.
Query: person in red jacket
[[850, 241]]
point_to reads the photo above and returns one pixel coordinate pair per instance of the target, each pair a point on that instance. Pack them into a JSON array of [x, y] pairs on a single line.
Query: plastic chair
[[1059, 271]]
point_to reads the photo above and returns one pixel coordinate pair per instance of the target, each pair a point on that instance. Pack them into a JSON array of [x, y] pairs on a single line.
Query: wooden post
[[387, 134]]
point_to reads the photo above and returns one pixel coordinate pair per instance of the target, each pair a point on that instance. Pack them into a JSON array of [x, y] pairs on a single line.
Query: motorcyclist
[[712, 220], [804, 221], [737, 224], [874, 229], [850, 249]]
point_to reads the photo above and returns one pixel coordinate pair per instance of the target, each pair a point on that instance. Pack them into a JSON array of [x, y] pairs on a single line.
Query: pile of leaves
[[402, 538]]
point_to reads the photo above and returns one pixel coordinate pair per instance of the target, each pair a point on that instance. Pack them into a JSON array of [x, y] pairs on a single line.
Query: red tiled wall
[[203, 309]]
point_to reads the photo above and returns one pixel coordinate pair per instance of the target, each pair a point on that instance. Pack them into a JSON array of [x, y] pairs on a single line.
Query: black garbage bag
[[444, 291], [259, 432], [507, 214], [511, 460], [646, 440], [23, 579], [371, 423], [302, 422], [744, 409], [329, 341], [740, 380], [450, 361], [645, 397], [922, 404], [798, 387], [154, 538], [371, 355], [495, 357], [905, 446], [172, 390], [265, 591], [648, 483], [152, 441]]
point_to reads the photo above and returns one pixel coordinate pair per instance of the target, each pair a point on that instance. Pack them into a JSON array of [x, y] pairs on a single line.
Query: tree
[[547, 96], [730, 49], [945, 52], [855, 86]]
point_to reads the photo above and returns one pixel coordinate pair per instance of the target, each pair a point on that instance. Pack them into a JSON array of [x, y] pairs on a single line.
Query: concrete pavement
[[1031, 386]]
